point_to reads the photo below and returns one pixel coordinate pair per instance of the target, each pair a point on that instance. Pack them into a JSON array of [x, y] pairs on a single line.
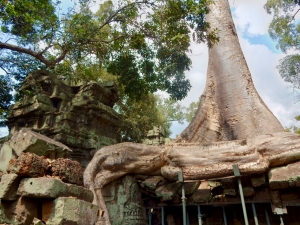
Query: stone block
[[8, 186], [203, 193], [44, 187], [228, 184], [19, 212], [29, 165], [248, 191], [67, 170], [6, 154], [67, 211], [167, 191], [276, 198], [229, 192], [27, 140], [36, 221], [190, 188], [258, 181], [152, 182], [285, 176]]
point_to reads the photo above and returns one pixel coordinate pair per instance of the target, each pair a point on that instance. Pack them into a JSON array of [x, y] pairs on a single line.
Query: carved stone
[[77, 115]]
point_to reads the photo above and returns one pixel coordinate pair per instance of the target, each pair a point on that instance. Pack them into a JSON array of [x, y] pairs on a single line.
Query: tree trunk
[[230, 107]]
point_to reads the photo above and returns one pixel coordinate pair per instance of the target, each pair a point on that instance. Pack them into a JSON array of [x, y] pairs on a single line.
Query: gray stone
[[19, 212], [8, 186], [203, 193], [64, 211], [152, 182], [190, 187], [124, 202], [36, 221], [167, 191], [248, 191], [258, 181], [27, 140], [285, 176], [6, 154], [229, 192], [52, 188]]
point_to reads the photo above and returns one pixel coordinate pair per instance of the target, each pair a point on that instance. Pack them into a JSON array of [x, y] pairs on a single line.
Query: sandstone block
[[8, 186], [19, 212], [52, 188], [167, 191], [67, 170], [152, 182], [27, 140], [258, 181], [29, 165], [285, 176], [6, 154], [37, 222], [190, 188], [248, 191], [64, 211], [203, 194], [229, 192]]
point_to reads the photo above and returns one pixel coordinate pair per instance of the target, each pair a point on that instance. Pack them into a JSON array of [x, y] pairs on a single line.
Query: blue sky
[[251, 21]]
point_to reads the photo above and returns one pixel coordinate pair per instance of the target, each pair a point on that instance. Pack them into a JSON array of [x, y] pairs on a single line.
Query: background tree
[[285, 29]]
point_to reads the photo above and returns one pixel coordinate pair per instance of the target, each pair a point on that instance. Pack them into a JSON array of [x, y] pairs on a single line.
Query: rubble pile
[[37, 187]]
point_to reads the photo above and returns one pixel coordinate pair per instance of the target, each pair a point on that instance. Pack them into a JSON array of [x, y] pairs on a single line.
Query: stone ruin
[[80, 115], [132, 184]]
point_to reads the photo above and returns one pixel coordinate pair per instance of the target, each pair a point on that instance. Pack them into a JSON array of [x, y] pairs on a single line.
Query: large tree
[[232, 126]]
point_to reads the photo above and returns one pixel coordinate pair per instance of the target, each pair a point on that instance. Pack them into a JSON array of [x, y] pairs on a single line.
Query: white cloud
[[250, 16], [251, 20]]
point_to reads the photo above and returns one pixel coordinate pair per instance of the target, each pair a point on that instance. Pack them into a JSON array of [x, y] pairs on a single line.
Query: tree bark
[[230, 107]]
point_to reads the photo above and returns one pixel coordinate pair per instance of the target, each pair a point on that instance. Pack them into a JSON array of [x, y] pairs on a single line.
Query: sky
[[251, 21]]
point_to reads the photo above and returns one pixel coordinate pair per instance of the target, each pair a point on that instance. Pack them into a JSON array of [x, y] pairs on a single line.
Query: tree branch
[[38, 55]]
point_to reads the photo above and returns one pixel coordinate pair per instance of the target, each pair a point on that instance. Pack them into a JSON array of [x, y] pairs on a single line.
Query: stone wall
[[38, 186], [80, 116]]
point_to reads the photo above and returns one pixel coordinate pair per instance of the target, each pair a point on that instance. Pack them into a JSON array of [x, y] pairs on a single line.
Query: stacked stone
[[35, 189], [280, 187], [156, 136], [79, 115]]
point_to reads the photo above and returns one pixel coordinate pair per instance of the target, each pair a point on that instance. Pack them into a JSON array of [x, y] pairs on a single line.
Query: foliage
[[285, 29], [6, 98], [191, 111], [144, 43], [139, 116]]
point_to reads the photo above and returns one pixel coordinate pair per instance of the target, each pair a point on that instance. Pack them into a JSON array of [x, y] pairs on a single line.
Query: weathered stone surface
[[52, 188], [36, 221], [228, 183], [258, 181], [248, 191], [167, 191], [229, 192], [27, 140], [67, 211], [8, 186], [152, 182], [79, 115], [6, 154], [67, 170], [276, 198], [29, 165], [190, 187], [19, 212], [197, 162], [124, 202], [203, 193], [285, 176]]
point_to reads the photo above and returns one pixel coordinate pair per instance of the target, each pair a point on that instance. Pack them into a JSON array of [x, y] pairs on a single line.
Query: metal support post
[[267, 217], [254, 214], [237, 174], [162, 215], [150, 217], [187, 218], [281, 220], [224, 216], [183, 198], [200, 216]]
